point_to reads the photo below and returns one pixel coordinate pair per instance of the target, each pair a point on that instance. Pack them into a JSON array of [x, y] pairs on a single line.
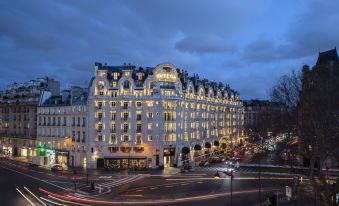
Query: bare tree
[[286, 92]]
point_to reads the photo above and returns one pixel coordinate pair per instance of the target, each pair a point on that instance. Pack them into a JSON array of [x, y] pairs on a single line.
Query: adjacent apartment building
[[62, 128], [18, 109], [157, 116]]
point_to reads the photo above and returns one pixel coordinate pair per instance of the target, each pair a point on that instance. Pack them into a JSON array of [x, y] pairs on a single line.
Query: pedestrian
[[237, 164]]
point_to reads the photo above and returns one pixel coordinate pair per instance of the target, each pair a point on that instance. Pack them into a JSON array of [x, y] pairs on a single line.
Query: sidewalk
[[303, 196]]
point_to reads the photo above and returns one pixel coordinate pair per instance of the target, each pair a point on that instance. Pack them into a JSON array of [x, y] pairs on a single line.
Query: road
[[194, 188]]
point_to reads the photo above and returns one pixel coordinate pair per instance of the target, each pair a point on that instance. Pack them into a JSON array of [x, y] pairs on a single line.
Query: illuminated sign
[[166, 76]]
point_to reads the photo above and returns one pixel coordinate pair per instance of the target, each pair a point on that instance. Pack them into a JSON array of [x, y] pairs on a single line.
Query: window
[[64, 121], [78, 122], [125, 127], [78, 138], [73, 122], [125, 116], [113, 104], [100, 116], [113, 129], [99, 105], [150, 115], [99, 127], [139, 140], [125, 138], [83, 136], [149, 126], [100, 138], [84, 121], [125, 105], [113, 139], [138, 117], [138, 128], [150, 138], [115, 75], [138, 104], [126, 84], [59, 120], [113, 116], [73, 136]]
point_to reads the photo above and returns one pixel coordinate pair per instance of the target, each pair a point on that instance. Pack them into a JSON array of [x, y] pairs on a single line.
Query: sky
[[246, 44]]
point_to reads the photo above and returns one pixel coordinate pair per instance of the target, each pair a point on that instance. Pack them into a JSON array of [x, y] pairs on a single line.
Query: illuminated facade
[[62, 128], [18, 108], [153, 117]]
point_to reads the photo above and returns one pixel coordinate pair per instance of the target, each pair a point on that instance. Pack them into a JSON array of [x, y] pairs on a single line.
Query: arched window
[[126, 84]]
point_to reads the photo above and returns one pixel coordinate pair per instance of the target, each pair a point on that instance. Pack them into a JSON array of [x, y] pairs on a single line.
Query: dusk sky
[[246, 44]]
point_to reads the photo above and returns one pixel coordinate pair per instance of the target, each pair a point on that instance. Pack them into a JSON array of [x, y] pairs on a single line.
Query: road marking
[[67, 201], [34, 196], [132, 195], [154, 188], [50, 201], [35, 178], [25, 197], [105, 177]]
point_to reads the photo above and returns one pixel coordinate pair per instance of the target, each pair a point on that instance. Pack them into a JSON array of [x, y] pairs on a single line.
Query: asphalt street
[[194, 188]]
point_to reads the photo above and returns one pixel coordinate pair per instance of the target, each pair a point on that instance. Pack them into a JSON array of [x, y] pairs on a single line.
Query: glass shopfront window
[[126, 163]]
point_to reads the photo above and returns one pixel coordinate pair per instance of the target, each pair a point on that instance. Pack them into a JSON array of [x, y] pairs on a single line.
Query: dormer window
[[115, 75], [126, 84], [140, 76]]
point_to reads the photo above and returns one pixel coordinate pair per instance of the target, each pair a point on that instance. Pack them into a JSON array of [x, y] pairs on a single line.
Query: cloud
[[203, 44]]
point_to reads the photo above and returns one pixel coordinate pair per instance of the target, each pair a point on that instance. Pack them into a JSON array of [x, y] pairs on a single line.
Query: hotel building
[[153, 117]]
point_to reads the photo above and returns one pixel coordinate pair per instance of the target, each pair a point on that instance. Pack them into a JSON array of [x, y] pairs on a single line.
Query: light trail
[[50, 201], [227, 178], [34, 196], [61, 200], [152, 202], [25, 197]]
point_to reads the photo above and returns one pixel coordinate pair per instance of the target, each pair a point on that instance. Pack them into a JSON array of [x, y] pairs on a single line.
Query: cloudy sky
[[247, 44]]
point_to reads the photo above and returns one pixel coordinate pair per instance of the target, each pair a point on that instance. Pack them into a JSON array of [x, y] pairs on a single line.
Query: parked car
[[214, 160], [204, 163], [33, 165], [57, 168], [185, 168]]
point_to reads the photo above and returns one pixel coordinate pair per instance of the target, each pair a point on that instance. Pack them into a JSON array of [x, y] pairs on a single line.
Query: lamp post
[[259, 170], [217, 176]]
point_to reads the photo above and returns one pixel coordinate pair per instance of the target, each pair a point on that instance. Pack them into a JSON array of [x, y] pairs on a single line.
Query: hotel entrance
[[169, 157]]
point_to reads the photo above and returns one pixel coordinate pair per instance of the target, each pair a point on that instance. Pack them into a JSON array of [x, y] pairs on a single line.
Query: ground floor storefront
[[124, 163]]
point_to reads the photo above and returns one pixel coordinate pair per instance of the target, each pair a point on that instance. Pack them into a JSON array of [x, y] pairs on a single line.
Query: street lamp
[[217, 176]]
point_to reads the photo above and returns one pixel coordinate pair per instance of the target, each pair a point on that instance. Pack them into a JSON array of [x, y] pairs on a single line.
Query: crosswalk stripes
[[119, 182]]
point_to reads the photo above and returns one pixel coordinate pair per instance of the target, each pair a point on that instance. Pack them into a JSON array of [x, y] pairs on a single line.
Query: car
[[57, 168], [213, 160], [33, 165], [204, 163]]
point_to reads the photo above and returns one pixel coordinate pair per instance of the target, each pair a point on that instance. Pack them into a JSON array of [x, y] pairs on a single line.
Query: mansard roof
[[182, 75], [326, 56]]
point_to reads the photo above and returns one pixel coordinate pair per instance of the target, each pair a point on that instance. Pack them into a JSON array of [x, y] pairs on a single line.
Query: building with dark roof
[[18, 107], [158, 116], [318, 110], [62, 128]]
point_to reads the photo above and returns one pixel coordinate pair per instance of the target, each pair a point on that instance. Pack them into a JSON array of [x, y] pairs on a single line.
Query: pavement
[[153, 187]]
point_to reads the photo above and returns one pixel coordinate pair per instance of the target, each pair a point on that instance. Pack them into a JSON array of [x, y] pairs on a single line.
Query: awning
[[197, 147], [207, 145], [185, 150], [216, 143]]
